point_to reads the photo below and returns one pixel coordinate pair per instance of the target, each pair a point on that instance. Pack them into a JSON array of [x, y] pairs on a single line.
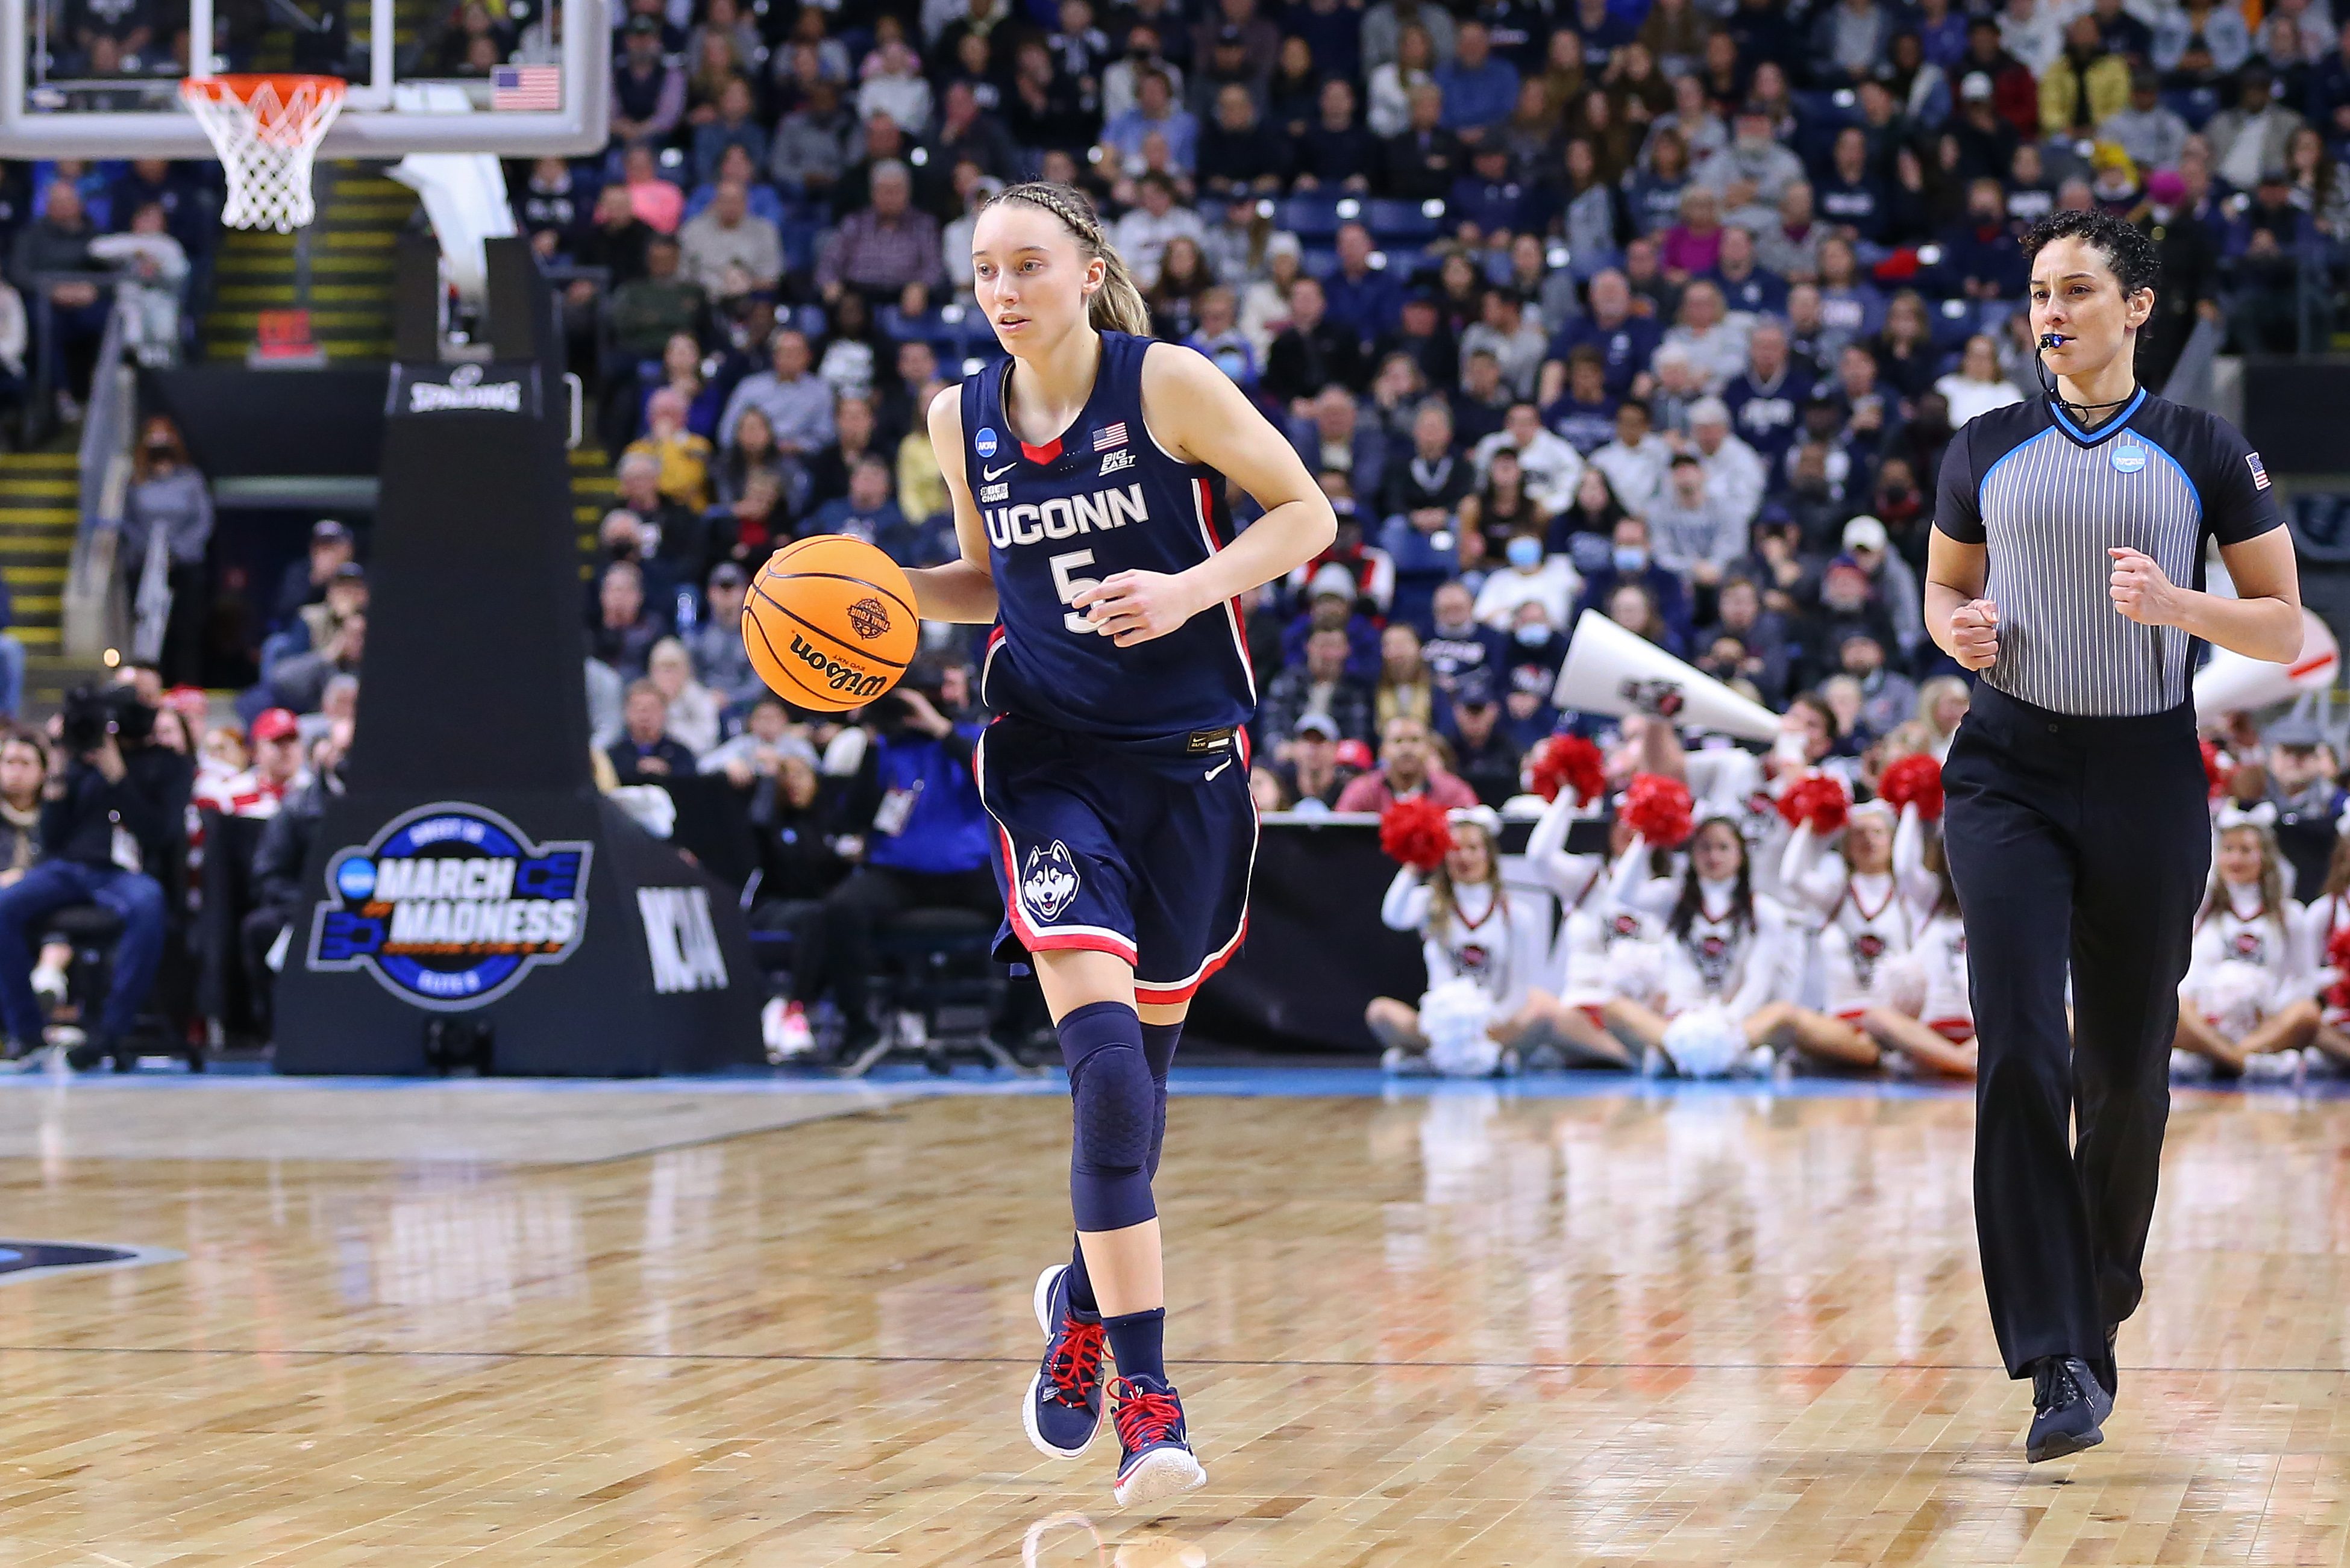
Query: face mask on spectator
[[1534, 634], [1631, 558], [1525, 553]]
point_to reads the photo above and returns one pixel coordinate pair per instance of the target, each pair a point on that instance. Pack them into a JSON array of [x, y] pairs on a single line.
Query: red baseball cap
[[275, 724]]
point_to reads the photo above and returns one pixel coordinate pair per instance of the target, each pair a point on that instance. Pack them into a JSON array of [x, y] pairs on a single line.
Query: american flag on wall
[[527, 88], [1109, 436]]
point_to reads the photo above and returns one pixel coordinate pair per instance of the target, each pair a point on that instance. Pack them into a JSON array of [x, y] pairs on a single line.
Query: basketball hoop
[[266, 129]]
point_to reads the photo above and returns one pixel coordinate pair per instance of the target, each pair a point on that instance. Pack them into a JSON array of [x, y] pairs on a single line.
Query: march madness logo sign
[[450, 906]]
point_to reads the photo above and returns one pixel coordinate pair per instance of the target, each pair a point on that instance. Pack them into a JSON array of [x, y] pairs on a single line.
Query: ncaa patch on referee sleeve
[[2260, 474]]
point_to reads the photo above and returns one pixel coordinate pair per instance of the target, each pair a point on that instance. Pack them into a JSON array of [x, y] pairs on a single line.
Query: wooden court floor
[[1711, 1328]]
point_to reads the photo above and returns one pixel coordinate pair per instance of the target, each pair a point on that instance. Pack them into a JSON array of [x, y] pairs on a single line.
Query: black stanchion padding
[[473, 731]]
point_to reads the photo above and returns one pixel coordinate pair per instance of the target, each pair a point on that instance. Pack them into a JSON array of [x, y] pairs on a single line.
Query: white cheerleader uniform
[[1720, 961], [1867, 920], [1939, 952], [2319, 923], [2245, 963], [1500, 942], [1600, 940]]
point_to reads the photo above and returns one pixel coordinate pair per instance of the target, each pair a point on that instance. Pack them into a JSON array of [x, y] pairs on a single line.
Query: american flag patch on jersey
[[1109, 436], [527, 88], [2260, 474]]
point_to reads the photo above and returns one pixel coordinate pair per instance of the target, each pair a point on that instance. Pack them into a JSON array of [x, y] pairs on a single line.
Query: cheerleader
[[1485, 945], [1725, 946], [2321, 1015], [1604, 948], [1864, 916], [2246, 966], [1939, 1032]]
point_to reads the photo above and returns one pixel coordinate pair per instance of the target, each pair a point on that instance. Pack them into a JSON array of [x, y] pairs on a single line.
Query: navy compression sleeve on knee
[[1158, 1051], [1114, 1108], [1158, 1041]]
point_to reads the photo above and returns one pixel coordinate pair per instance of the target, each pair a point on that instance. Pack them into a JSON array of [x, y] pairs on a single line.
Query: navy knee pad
[[1158, 1041], [1114, 1103]]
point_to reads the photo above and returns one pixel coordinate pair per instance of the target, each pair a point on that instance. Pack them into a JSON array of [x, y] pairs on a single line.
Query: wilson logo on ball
[[846, 680], [869, 618]]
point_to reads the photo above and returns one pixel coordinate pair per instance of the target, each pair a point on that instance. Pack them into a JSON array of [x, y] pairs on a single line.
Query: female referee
[[1088, 478], [2068, 544]]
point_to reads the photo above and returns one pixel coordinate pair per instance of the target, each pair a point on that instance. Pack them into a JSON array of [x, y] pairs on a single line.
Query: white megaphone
[[1611, 670], [2231, 683]]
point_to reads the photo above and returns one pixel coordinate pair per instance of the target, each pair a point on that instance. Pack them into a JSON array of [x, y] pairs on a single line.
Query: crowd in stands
[[1661, 309]]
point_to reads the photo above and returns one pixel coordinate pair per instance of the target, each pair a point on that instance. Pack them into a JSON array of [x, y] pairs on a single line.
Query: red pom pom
[[1567, 762], [1659, 809], [2337, 958], [1914, 780], [1819, 800], [1417, 832], [2217, 775]]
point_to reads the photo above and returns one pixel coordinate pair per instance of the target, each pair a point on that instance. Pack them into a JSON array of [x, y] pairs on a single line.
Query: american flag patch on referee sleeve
[[1109, 436], [2260, 474]]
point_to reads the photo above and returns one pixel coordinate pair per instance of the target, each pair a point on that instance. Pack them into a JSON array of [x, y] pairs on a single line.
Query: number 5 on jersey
[[1070, 587]]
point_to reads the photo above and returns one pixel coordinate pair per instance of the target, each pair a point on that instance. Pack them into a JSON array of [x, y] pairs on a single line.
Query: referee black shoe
[[2069, 1407]]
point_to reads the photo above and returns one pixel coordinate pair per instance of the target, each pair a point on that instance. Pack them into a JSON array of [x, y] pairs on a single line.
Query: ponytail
[[1117, 305]]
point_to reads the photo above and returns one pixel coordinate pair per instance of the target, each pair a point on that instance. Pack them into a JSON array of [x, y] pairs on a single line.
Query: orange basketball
[[829, 623]]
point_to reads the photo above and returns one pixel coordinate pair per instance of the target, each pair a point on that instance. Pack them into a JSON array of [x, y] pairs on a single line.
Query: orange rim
[[281, 126]]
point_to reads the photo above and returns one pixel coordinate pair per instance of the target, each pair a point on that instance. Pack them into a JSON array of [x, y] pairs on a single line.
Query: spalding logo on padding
[[23, 1260], [450, 906], [463, 389]]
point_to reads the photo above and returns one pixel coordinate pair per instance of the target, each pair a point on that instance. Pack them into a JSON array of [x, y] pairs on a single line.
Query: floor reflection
[[1066, 1539]]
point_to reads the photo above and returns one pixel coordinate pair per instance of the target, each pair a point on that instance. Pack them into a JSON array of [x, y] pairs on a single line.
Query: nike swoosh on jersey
[[991, 475], [1219, 767]]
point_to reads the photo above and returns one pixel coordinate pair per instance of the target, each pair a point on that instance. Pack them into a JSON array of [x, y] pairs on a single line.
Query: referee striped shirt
[[2047, 498]]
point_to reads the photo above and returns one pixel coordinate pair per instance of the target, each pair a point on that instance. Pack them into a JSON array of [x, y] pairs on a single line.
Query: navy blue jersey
[[1102, 498]]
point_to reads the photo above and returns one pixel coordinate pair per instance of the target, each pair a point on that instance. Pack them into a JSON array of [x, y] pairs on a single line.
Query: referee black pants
[[2088, 841]]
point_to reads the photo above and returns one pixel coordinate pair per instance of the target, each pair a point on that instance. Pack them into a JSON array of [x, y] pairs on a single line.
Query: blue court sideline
[[1224, 1081]]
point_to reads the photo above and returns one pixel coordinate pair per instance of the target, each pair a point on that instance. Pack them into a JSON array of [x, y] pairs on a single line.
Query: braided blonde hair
[[1117, 305]]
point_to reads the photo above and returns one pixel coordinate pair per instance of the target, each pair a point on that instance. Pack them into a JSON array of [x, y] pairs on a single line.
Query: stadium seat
[[1312, 217], [1394, 222], [940, 991], [1953, 322]]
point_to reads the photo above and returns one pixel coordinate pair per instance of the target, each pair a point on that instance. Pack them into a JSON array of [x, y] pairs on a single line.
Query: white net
[[266, 129]]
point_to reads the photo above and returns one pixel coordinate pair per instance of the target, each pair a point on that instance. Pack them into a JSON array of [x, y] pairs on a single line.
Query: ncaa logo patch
[[1048, 884], [869, 618], [450, 906], [984, 443], [2129, 458]]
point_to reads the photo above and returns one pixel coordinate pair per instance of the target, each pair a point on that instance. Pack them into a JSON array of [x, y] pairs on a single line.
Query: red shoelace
[[1144, 1418], [1075, 1368]]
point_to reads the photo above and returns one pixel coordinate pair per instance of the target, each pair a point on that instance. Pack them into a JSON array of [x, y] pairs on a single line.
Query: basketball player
[[1088, 475], [2067, 542]]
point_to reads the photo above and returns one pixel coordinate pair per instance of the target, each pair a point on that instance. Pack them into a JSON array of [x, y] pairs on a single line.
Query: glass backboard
[[100, 78]]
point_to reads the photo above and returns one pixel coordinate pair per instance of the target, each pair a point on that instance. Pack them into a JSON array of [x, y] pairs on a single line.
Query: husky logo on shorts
[[1050, 881]]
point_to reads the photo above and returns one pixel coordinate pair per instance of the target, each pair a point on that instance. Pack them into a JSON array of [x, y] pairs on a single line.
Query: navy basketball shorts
[[1143, 853]]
